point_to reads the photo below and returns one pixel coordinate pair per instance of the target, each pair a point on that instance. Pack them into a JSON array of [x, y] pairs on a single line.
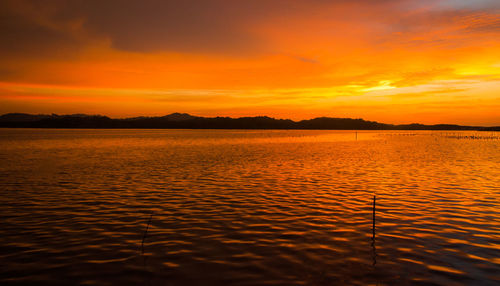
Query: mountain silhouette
[[187, 121]]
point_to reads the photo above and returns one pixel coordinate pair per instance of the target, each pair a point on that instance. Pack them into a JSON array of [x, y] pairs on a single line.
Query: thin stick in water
[[146, 232], [373, 226], [374, 250]]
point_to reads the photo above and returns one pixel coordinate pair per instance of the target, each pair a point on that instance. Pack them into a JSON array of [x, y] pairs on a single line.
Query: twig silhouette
[[373, 226], [146, 232]]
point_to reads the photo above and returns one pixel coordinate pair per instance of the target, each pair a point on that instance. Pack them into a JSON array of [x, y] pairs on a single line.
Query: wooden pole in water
[[373, 226], [146, 232], [374, 250]]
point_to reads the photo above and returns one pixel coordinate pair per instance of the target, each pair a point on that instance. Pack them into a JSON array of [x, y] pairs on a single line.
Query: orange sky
[[391, 61]]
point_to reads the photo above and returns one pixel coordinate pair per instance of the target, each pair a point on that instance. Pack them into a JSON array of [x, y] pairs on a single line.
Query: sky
[[392, 61]]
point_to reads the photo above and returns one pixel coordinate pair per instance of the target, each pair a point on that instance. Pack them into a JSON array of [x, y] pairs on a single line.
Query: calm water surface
[[248, 207]]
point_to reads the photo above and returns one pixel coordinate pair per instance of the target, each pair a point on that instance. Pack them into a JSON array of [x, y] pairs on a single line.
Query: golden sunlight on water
[[249, 207]]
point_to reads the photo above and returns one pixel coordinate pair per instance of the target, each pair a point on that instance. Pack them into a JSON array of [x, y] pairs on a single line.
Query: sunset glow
[[390, 61]]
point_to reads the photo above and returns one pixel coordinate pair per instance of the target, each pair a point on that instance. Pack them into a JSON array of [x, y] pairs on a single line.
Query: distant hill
[[21, 117], [186, 121]]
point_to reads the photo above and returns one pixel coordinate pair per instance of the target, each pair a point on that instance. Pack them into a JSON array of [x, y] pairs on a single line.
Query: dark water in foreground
[[248, 208]]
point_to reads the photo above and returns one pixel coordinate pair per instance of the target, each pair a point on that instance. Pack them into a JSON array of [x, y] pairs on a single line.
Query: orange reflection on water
[[289, 206]]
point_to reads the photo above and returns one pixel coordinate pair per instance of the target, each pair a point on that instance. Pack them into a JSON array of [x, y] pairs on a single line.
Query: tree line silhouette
[[186, 121]]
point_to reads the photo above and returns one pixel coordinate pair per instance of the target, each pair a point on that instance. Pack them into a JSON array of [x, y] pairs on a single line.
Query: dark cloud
[[41, 27], [218, 26], [28, 31], [186, 25], [58, 27]]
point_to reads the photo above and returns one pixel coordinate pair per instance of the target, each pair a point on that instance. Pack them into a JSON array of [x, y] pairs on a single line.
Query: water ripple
[[248, 208]]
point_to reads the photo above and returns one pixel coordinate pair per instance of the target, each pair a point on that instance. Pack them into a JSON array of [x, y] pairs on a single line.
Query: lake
[[249, 207]]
